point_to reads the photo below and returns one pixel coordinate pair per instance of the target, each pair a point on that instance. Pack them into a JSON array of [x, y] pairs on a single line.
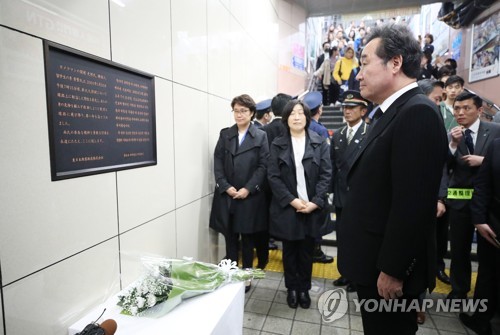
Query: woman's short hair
[[288, 110], [430, 37], [244, 100]]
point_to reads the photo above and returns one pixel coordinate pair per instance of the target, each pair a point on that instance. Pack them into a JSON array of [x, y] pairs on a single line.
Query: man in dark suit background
[[468, 144], [387, 244], [345, 144], [485, 208], [276, 127]]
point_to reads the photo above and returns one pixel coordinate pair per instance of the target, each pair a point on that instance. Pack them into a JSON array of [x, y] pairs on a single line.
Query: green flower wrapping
[[169, 281]]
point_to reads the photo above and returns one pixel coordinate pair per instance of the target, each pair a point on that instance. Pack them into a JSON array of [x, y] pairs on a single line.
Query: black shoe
[[304, 300], [291, 299], [262, 265], [248, 287], [471, 322], [455, 295], [442, 276], [320, 257], [351, 287], [273, 246], [342, 281]]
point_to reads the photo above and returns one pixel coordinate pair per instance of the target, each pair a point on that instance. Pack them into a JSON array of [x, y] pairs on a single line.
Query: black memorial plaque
[[101, 115]]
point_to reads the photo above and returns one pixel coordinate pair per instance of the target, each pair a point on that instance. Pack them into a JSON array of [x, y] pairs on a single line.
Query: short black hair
[[453, 63], [430, 36], [466, 95], [245, 100], [279, 102], [397, 40], [288, 110], [260, 113], [445, 70], [454, 79]]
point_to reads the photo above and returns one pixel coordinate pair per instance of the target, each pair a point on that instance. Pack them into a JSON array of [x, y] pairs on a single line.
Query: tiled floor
[[266, 312]]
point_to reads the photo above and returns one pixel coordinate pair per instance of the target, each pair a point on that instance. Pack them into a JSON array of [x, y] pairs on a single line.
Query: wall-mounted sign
[[101, 115], [484, 49]]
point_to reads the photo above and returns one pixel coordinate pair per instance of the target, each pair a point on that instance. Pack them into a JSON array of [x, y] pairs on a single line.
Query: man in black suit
[[387, 245], [276, 127], [345, 144], [468, 143], [485, 208]]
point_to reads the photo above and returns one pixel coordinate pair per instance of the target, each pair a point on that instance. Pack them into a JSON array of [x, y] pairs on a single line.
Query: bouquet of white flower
[[168, 281]]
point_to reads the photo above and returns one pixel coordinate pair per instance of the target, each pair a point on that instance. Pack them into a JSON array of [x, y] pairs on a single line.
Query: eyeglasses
[[240, 111], [457, 109]]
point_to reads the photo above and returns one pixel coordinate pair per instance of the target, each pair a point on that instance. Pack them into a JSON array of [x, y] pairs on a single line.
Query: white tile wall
[[155, 238], [83, 25], [148, 192], [219, 49], [49, 301], [42, 221], [193, 238], [191, 144], [189, 43], [132, 24]]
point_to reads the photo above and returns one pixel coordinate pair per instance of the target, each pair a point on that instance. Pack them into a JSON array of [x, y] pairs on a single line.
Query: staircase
[[332, 118]]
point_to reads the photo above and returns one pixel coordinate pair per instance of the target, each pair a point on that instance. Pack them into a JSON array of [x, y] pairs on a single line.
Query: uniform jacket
[[462, 175], [243, 166], [319, 128], [342, 155], [286, 223], [485, 203], [388, 219]]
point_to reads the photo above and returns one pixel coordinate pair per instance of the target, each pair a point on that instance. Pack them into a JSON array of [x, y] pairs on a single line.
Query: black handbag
[[92, 329]]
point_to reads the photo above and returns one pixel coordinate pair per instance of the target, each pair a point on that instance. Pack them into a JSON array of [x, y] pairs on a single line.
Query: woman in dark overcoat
[[299, 172], [240, 165]]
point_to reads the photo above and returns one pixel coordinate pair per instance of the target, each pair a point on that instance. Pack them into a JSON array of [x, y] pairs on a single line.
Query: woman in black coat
[[299, 172], [239, 205]]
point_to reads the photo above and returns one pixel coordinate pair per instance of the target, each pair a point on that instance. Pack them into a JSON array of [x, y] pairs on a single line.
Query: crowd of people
[[421, 161]]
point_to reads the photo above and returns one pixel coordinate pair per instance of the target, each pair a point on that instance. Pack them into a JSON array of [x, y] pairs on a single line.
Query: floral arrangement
[[168, 281]]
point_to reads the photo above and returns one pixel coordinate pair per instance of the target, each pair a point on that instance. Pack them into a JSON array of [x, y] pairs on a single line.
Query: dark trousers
[[297, 263], [383, 322], [232, 244], [488, 278], [461, 234], [330, 94], [442, 239], [261, 244]]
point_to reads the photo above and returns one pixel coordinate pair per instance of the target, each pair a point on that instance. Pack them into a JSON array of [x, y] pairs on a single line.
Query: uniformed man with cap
[[344, 146], [314, 100], [263, 114]]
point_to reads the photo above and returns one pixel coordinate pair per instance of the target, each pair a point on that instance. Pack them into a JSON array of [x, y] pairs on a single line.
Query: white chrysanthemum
[[140, 302], [133, 310], [151, 300]]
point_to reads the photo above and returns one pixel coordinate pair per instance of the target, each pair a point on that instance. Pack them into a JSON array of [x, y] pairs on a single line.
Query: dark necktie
[[378, 113], [469, 142], [350, 135]]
